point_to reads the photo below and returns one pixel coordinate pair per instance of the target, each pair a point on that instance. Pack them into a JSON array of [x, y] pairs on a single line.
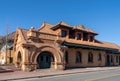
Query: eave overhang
[[111, 50], [86, 31]]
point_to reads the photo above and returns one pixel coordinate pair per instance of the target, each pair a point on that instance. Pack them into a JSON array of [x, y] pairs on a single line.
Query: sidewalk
[[44, 73]]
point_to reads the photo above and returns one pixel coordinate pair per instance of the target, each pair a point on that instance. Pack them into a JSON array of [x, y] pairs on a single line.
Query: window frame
[[90, 57], [78, 57]]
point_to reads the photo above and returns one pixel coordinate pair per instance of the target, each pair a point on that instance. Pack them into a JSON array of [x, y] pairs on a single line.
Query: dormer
[[62, 29], [79, 33], [84, 34]]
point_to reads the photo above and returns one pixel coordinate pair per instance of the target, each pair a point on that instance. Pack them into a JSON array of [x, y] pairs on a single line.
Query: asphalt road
[[109, 75]]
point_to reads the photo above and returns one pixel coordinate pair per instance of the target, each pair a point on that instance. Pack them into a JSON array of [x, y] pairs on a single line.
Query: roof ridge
[[63, 23]]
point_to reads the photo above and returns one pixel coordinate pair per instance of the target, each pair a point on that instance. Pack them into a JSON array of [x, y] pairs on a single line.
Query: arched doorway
[[108, 60], [44, 60]]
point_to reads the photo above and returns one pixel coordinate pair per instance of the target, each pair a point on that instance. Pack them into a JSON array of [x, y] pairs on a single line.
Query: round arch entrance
[[44, 60]]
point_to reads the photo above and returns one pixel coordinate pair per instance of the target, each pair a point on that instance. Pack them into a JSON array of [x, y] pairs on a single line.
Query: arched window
[[99, 57], [19, 57], [90, 57], [78, 57], [66, 57]]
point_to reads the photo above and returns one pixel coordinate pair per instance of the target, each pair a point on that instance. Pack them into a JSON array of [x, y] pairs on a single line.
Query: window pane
[[91, 38], [90, 57], [78, 36]]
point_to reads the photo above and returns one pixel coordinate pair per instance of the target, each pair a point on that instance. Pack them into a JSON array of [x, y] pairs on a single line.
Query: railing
[[33, 34], [47, 36]]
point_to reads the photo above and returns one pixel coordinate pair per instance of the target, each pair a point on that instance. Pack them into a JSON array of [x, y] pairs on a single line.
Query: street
[[109, 75]]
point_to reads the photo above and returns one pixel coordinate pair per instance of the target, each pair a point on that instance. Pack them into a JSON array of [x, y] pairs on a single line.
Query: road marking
[[98, 78]]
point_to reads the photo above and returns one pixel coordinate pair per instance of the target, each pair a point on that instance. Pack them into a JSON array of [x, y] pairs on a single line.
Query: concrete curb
[[58, 74]]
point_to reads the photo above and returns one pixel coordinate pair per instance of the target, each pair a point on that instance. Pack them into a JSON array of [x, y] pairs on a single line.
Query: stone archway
[[45, 60], [58, 62]]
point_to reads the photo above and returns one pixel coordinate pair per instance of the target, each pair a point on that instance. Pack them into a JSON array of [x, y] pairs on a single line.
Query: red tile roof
[[46, 28]]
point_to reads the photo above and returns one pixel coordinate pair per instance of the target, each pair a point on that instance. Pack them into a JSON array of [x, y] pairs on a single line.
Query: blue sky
[[103, 16]]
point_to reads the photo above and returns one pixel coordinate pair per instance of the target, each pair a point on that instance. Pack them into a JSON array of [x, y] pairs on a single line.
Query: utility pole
[[6, 42]]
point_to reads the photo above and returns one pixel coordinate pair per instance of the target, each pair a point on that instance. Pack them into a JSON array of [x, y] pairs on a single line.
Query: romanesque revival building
[[62, 46]]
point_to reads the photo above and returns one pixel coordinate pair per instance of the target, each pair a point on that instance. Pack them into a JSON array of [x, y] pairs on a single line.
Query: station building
[[62, 46]]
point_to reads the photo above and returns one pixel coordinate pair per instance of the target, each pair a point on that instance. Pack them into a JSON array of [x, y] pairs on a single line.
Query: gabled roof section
[[46, 28], [24, 33], [61, 24]]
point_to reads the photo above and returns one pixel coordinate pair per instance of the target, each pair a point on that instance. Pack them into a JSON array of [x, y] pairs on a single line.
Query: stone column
[[63, 49]]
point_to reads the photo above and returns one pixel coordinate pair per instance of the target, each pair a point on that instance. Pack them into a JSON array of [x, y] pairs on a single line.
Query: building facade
[[62, 46], [6, 49], [7, 55]]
